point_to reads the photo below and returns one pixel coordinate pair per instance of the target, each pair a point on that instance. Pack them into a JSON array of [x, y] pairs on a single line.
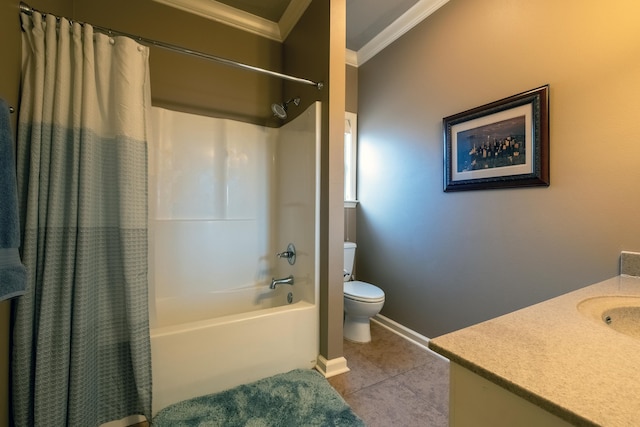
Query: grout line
[[390, 377], [408, 335], [397, 374], [402, 339]]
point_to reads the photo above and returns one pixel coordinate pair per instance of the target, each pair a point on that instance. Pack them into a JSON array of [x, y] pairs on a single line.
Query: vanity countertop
[[557, 358]]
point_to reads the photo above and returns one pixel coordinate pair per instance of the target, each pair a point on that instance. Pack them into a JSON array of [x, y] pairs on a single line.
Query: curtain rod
[[25, 8]]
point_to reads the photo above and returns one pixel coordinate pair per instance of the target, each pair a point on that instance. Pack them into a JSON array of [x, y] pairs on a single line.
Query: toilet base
[[357, 329]]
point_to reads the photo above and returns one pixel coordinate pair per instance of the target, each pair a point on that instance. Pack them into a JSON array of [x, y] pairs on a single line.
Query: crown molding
[[399, 27], [291, 16], [236, 18], [279, 31], [351, 57]]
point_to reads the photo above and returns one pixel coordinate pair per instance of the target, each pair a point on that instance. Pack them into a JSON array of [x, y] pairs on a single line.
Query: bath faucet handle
[[289, 254]]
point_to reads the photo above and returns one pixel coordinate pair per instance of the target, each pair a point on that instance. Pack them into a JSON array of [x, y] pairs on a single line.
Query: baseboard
[[332, 367], [406, 333]]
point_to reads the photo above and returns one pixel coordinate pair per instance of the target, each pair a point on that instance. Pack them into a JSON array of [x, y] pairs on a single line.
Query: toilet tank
[[349, 257]]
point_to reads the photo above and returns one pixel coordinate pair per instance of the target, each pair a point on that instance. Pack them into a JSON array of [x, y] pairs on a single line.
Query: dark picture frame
[[504, 144]]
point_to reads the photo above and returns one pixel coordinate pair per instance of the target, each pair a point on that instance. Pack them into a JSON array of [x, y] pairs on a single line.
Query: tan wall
[[350, 229], [316, 50], [447, 260], [192, 84], [351, 89]]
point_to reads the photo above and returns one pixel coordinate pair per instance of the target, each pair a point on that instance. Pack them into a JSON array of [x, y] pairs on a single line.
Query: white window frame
[[350, 159]]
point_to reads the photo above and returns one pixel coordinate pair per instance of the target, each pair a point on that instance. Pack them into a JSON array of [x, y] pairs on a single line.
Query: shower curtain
[[81, 351]]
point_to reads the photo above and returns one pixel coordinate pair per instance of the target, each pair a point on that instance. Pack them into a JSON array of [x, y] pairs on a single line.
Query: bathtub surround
[[630, 263], [296, 398], [81, 353], [226, 198], [210, 184]]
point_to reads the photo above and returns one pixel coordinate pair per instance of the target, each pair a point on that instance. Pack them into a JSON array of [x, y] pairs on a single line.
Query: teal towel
[[13, 275]]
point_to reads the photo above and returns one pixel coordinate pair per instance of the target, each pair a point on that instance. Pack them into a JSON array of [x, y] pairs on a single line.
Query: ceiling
[[371, 24]]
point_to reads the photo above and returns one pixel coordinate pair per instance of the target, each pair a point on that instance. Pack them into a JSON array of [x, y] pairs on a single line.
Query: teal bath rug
[[302, 397]]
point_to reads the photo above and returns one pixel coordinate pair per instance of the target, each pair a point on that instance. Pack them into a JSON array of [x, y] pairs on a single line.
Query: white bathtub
[[192, 308], [207, 356], [209, 332]]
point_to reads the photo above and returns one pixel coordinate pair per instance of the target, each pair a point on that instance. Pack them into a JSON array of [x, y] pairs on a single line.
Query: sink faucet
[[285, 281]]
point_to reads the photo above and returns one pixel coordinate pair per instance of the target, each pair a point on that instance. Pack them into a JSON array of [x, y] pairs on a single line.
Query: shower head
[[280, 110]]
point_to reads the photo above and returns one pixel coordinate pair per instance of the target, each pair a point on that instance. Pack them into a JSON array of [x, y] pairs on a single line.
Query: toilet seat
[[363, 292]]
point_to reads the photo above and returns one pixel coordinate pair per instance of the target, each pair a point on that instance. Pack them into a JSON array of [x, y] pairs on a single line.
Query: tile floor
[[394, 382]]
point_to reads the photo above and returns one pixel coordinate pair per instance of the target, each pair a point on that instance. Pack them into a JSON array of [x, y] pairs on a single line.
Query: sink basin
[[620, 313]]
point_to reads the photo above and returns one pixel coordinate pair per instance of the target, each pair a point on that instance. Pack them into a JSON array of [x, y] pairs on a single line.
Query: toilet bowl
[[362, 301]]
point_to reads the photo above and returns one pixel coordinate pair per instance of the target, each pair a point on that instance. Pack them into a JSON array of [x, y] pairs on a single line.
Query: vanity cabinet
[[477, 402], [549, 364]]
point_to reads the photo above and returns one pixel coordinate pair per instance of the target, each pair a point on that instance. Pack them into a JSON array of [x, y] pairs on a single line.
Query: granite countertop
[[557, 358]]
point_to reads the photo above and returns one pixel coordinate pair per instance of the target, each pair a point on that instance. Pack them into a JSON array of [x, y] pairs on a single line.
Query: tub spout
[[285, 281]]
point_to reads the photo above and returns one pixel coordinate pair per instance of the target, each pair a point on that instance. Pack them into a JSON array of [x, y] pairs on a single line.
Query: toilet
[[362, 301]]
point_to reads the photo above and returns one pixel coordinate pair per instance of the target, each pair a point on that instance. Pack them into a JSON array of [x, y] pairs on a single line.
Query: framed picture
[[503, 144]]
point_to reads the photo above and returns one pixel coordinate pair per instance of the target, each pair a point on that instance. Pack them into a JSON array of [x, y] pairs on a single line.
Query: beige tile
[[391, 404], [388, 351], [430, 382], [363, 374], [393, 382]]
